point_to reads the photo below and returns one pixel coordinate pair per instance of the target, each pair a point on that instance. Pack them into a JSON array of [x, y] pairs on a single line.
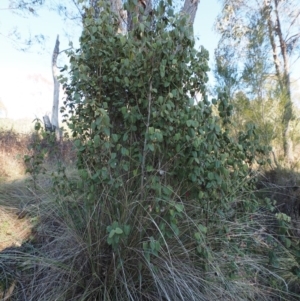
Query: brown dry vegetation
[[16, 195], [18, 200], [14, 228], [13, 147]]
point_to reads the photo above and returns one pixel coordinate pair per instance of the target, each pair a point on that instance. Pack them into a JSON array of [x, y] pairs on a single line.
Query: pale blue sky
[[25, 77]]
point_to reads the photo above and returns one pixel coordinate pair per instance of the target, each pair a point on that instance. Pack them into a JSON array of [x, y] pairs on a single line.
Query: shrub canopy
[[140, 114]]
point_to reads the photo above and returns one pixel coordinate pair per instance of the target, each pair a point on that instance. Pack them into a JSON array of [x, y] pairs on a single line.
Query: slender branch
[[65, 50], [79, 10], [146, 139], [293, 22]]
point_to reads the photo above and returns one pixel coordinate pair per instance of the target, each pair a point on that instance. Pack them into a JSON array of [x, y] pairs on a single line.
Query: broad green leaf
[[179, 207], [77, 143], [150, 147], [112, 233], [118, 231], [202, 228], [199, 249], [288, 242], [97, 140], [145, 246], [125, 137], [127, 229], [211, 176], [198, 236], [115, 137], [152, 243]]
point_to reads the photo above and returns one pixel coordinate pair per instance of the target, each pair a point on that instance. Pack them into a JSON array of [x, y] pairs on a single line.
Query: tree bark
[[272, 41], [143, 7], [117, 8], [55, 72], [283, 76], [288, 108], [190, 9]]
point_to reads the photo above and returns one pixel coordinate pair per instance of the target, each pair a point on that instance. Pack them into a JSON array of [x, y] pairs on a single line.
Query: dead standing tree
[[55, 72], [53, 125]]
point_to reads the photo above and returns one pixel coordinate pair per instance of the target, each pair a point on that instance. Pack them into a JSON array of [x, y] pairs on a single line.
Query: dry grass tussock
[[68, 258], [54, 247]]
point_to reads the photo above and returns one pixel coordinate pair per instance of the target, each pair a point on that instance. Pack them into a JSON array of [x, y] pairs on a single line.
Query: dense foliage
[[140, 114]]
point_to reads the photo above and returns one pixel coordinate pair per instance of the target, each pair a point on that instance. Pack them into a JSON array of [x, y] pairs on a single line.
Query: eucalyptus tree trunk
[[190, 9], [144, 7], [288, 109], [279, 22], [55, 73], [282, 74], [117, 8]]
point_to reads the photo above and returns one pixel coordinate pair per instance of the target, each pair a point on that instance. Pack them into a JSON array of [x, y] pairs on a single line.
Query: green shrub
[[135, 117], [163, 206], [158, 168]]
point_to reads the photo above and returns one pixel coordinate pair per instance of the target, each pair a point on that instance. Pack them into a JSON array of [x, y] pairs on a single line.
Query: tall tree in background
[[283, 19], [265, 36]]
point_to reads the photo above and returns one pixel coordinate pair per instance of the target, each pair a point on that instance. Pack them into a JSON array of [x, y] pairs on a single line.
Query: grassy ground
[[19, 199], [54, 248], [14, 228]]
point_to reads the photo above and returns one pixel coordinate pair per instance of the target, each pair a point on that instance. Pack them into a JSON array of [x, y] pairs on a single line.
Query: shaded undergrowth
[[67, 256]]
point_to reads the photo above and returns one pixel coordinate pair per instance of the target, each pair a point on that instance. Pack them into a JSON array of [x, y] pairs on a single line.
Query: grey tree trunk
[[272, 41], [144, 7], [55, 73], [117, 8], [190, 9], [286, 84], [282, 74]]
